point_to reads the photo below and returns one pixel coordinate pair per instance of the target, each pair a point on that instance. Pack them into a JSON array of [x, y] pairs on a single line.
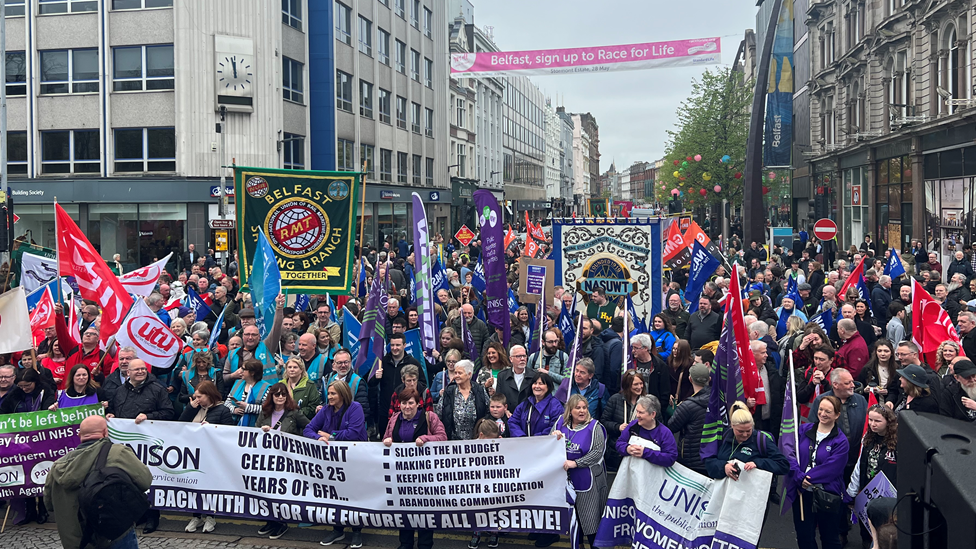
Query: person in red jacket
[[853, 353], [87, 352]]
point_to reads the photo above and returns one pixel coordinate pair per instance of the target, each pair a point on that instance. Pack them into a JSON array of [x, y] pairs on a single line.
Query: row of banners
[[510, 485]]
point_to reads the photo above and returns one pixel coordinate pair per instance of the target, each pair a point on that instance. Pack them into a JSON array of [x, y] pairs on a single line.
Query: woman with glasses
[[444, 377], [248, 393], [205, 406], [303, 390]]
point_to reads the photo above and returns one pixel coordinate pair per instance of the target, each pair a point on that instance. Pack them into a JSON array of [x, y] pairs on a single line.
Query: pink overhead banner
[[631, 57]]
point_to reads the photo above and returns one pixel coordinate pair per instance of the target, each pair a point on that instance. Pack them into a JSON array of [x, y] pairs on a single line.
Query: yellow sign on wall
[[221, 238]]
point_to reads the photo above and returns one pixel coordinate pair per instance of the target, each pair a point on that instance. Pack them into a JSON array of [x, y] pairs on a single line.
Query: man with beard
[[704, 326], [958, 292], [959, 398], [550, 360], [676, 314]]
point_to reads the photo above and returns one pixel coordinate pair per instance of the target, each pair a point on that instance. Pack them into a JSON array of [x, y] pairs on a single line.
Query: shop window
[[145, 150], [114, 229], [38, 221], [143, 68]]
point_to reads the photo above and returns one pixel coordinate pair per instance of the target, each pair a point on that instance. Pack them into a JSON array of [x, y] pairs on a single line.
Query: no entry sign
[[824, 229]]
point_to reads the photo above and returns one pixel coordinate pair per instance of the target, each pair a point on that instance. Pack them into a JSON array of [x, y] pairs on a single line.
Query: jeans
[[127, 541], [806, 530]]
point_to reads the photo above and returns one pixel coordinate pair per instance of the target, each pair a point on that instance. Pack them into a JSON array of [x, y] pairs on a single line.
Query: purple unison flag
[[375, 305], [468, 340], [493, 261], [726, 389], [540, 325], [424, 289]]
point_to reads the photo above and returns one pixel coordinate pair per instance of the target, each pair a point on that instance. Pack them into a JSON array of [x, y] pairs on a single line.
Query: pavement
[[232, 533]]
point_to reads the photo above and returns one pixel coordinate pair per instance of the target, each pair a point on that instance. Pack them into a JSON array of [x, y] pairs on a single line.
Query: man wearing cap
[[795, 271], [906, 353], [762, 308], [253, 346], [959, 397], [689, 417], [809, 304]]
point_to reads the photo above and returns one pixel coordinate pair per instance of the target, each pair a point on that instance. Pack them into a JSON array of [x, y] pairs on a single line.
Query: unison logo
[[175, 460]]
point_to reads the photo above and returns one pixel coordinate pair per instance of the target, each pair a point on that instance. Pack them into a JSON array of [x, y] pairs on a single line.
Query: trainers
[[493, 541], [209, 523], [333, 537], [279, 531], [356, 540], [266, 529], [195, 523], [475, 541]]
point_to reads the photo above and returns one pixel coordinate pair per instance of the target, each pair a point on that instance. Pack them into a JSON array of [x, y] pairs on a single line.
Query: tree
[[709, 146]]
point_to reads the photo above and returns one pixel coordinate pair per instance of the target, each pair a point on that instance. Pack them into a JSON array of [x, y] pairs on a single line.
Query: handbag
[[824, 501]]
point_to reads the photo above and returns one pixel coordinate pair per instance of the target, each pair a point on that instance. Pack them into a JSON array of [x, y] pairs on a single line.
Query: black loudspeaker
[[936, 482]]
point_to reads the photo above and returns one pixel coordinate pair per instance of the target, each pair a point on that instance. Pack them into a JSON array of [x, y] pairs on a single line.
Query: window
[[143, 68], [64, 6], [415, 13], [366, 157], [365, 36], [430, 172], [417, 162], [415, 65], [401, 167], [344, 156], [69, 71], [17, 153], [15, 8], [16, 73], [292, 76], [145, 150], [461, 112], [398, 7], [343, 22], [70, 151], [401, 57], [429, 122], [384, 105], [428, 23], [291, 13], [140, 4], [365, 99], [294, 156], [461, 157], [343, 91], [386, 165], [428, 73], [401, 112], [383, 46], [385, 2], [415, 117]]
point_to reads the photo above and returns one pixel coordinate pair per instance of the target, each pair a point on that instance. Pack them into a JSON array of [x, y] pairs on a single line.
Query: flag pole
[[796, 426]]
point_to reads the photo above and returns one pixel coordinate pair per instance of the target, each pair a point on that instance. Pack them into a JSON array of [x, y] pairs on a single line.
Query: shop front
[[387, 215], [855, 190], [893, 202], [950, 195]]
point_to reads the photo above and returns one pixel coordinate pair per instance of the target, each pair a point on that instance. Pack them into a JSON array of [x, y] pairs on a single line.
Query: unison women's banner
[[504, 485], [309, 219]]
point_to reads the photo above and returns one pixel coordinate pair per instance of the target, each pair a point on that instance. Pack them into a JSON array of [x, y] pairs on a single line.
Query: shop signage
[[389, 195], [223, 223], [855, 195], [464, 235], [221, 240], [435, 196], [215, 191]]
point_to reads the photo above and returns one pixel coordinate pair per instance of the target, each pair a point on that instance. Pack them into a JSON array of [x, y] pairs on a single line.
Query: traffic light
[[7, 225]]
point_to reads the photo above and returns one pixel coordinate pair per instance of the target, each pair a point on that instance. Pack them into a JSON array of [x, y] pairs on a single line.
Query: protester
[[743, 443], [302, 390], [704, 326], [619, 411], [679, 361], [515, 382], [646, 426], [248, 393], [444, 377], [651, 367], [54, 362], [387, 377], [537, 415], [550, 359], [959, 398], [82, 390], [583, 383], [201, 368], [879, 454], [462, 403], [32, 393], [915, 391], [662, 334], [206, 407], [410, 377], [342, 370], [689, 418]]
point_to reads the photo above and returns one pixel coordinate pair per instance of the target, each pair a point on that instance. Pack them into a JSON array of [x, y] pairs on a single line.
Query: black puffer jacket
[[150, 398], [686, 424]]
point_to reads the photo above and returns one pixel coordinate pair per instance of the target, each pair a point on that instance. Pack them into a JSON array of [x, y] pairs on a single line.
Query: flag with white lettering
[[142, 282], [894, 267], [153, 341], [703, 264]]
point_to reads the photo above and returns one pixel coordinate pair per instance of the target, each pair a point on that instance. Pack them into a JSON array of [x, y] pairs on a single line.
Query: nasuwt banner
[[505, 484], [309, 218], [628, 57], [655, 507], [31, 442]]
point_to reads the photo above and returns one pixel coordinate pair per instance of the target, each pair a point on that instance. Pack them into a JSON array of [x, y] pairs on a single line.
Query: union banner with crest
[[308, 217]]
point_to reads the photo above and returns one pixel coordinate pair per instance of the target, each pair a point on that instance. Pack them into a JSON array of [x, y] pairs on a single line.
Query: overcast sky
[[633, 108]]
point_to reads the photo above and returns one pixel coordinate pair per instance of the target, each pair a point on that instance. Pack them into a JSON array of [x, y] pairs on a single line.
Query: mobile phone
[[735, 467]]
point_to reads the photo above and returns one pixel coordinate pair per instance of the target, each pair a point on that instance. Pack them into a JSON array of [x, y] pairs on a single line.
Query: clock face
[[234, 73]]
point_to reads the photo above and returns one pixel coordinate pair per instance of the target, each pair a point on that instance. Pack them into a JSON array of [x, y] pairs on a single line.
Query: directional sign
[[824, 229], [16, 218], [464, 235], [223, 223]]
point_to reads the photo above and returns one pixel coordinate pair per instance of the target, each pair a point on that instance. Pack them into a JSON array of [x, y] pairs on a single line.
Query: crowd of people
[[299, 379]]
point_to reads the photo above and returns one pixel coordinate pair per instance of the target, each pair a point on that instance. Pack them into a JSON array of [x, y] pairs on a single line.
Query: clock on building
[[234, 73]]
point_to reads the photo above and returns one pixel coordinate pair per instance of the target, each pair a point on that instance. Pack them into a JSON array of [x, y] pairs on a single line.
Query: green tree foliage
[[712, 123]]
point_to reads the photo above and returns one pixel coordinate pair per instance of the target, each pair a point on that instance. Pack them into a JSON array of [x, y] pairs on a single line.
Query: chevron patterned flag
[[371, 329], [788, 434]]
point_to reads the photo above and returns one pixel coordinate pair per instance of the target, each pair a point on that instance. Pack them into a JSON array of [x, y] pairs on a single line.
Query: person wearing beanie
[[689, 416]]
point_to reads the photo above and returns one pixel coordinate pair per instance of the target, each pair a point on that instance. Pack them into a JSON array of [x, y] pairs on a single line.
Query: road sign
[[464, 235], [16, 218], [221, 238], [223, 223], [825, 229]]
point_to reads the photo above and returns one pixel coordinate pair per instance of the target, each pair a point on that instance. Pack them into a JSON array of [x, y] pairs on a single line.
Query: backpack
[[109, 503]]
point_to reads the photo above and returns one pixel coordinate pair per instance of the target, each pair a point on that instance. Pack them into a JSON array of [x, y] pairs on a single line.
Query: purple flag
[[371, 330], [493, 261], [424, 289], [726, 389], [562, 392], [788, 434], [540, 325], [468, 340]]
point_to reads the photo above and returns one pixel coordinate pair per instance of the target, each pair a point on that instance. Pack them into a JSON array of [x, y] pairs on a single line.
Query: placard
[[536, 276]]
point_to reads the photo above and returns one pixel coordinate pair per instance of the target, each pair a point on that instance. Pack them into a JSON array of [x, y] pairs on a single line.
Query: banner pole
[[362, 224]]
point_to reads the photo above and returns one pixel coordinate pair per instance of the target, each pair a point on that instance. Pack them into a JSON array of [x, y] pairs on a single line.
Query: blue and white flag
[[825, 320], [215, 333], [702, 266], [265, 284], [198, 305], [894, 267], [862, 290], [513, 303], [478, 278], [438, 277], [413, 347], [566, 325], [333, 316], [301, 303], [640, 325]]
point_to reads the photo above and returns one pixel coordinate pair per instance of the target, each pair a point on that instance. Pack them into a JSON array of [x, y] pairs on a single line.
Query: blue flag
[[894, 267], [438, 277], [862, 290], [413, 347], [825, 319], [215, 333], [199, 306], [702, 266], [301, 302], [332, 308], [362, 277], [513, 303], [793, 293], [640, 325], [34, 297], [478, 278], [350, 340], [265, 284], [566, 325]]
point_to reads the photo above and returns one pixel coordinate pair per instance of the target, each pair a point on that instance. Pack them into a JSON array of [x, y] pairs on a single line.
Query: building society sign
[[309, 220]]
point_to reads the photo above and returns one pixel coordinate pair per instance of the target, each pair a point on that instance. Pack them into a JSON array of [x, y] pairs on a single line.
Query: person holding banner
[[80, 392], [619, 412], [879, 454], [647, 438], [410, 378], [31, 394], [537, 414], [816, 478], [744, 443], [248, 393], [206, 406], [462, 403]]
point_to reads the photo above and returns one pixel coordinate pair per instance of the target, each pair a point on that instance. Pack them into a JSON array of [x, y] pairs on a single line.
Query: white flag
[[15, 331], [36, 271], [142, 282], [153, 341]]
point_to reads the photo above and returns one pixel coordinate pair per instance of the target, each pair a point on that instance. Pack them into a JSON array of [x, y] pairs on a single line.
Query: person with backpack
[[97, 491]]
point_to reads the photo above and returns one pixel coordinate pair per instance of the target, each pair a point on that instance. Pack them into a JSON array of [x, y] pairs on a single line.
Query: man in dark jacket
[[689, 417], [959, 265], [966, 326], [515, 382], [654, 371], [613, 347], [115, 380], [676, 314], [704, 326], [762, 308], [386, 380], [880, 299], [959, 397], [479, 330], [591, 347]]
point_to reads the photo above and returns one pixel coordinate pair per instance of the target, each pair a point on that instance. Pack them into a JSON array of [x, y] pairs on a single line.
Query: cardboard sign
[[535, 276], [464, 235]]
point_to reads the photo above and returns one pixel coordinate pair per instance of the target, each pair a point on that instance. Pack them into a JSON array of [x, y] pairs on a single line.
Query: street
[[778, 534]]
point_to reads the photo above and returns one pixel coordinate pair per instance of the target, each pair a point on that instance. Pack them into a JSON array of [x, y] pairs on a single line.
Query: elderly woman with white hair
[[463, 403]]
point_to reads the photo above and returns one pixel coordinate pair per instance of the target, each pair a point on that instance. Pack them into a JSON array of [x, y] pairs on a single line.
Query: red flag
[[677, 253], [931, 324], [534, 230], [752, 385], [509, 237], [42, 316], [872, 401], [852, 279], [531, 246], [76, 256]]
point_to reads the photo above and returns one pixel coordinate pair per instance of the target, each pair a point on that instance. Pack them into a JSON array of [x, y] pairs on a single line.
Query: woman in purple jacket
[[536, 415], [646, 426], [819, 461]]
